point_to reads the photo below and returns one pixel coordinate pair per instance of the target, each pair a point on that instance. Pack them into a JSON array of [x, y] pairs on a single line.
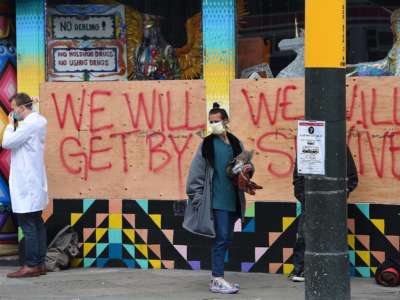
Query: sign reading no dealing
[[311, 147], [87, 27]]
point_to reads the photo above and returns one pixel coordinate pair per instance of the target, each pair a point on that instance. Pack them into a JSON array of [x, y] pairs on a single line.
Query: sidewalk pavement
[[131, 284]]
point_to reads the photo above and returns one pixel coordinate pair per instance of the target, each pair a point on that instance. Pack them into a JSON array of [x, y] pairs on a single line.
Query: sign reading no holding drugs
[[91, 60]]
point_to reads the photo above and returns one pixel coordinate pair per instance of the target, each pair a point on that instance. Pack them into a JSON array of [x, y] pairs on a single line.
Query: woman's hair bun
[[216, 105]]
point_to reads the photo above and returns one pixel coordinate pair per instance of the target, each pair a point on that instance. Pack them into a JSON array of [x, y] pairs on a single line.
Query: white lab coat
[[28, 180]]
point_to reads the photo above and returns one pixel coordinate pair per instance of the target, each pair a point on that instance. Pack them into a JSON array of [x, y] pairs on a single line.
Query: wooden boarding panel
[[264, 115], [137, 139], [122, 139]]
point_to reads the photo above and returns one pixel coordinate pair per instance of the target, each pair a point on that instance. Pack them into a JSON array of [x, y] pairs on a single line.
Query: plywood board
[[161, 122], [264, 115], [121, 139]]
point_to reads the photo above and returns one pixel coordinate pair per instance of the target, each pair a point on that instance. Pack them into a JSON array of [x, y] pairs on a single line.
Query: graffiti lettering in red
[[167, 133], [97, 110], [269, 138], [69, 103]]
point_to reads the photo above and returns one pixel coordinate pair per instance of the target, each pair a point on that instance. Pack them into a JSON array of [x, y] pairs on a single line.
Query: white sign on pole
[[311, 147]]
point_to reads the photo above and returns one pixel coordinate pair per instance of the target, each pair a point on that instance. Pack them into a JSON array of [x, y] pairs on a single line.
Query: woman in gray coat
[[215, 203]]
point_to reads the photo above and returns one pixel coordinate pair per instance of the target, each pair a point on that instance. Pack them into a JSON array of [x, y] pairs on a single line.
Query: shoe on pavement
[[221, 286], [297, 276], [25, 272]]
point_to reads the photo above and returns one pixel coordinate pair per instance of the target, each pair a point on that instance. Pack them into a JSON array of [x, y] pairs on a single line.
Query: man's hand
[[35, 99], [11, 119]]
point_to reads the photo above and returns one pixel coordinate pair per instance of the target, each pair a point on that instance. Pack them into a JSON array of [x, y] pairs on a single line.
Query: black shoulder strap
[[235, 143], [208, 149]]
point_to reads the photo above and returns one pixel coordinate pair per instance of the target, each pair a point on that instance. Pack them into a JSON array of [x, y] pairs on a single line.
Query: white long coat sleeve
[[28, 180]]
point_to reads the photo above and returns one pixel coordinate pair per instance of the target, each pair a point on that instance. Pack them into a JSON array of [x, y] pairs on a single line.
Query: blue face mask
[[16, 116]]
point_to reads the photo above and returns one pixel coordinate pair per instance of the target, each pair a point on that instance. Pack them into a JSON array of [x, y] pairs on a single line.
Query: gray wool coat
[[198, 217]]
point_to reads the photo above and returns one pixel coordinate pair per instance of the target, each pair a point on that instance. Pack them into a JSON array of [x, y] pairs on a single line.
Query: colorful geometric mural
[[219, 54], [148, 235], [373, 236], [30, 40], [8, 88]]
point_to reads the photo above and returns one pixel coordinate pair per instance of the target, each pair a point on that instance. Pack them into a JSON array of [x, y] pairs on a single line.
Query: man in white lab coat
[[28, 181]]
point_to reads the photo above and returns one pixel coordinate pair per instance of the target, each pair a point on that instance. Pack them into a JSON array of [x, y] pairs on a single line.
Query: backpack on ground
[[62, 248]]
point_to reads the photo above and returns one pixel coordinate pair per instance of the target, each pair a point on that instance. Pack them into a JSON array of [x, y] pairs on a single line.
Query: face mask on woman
[[218, 128]]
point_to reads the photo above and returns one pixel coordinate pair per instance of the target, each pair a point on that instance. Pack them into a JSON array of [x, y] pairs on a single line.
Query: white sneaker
[[298, 277], [220, 285]]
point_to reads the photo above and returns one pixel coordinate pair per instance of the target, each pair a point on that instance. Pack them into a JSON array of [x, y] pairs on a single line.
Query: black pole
[[326, 257]]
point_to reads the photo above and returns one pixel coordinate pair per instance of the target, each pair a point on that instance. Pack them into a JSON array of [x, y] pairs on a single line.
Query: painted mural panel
[[8, 88], [31, 46], [148, 234]]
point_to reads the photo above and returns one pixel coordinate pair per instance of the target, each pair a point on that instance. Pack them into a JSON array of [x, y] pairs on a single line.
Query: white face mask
[[217, 128]]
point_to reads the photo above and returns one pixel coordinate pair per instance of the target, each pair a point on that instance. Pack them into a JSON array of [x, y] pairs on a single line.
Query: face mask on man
[[217, 128], [17, 116]]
